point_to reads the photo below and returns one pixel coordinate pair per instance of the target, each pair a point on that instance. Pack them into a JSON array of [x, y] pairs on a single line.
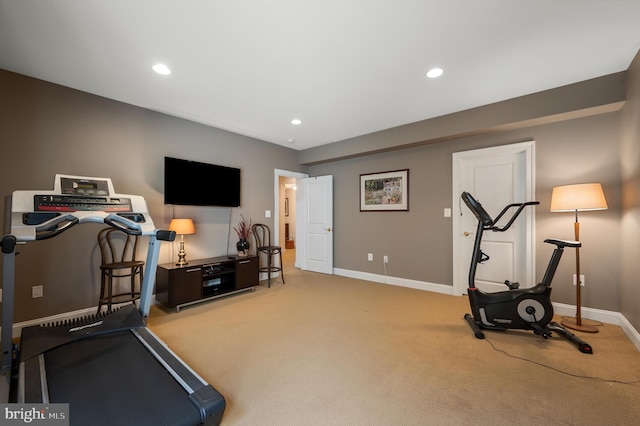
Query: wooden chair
[[118, 250], [262, 235]]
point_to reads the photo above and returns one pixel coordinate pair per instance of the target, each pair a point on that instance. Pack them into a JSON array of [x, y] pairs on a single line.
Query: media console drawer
[[205, 279]]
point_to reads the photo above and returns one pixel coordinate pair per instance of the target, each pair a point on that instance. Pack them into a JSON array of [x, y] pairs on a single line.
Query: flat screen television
[[192, 183]]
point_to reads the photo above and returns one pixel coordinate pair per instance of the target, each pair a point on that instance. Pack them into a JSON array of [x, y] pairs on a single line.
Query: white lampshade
[[182, 226], [580, 197]]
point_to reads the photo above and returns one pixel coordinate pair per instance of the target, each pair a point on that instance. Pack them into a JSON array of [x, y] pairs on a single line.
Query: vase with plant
[[243, 231]]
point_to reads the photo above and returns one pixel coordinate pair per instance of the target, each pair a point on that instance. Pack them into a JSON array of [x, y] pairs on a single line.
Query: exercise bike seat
[[563, 243]]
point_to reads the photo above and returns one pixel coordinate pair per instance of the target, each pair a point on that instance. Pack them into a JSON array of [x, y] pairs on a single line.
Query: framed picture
[[386, 191]]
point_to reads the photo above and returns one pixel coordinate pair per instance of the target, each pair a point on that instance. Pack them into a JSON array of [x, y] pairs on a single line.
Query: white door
[[318, 216], [495, 177]]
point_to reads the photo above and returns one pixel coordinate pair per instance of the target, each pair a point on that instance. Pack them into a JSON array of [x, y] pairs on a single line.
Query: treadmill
[[109, 368]]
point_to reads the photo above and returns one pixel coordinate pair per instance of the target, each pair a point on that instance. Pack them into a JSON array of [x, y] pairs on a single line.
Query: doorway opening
[[285, 222]]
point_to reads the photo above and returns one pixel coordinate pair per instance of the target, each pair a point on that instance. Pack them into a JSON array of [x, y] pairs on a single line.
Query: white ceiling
[[344, 67]]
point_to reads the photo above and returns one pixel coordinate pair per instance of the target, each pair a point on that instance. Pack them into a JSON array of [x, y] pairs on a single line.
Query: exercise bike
[[515, 308]]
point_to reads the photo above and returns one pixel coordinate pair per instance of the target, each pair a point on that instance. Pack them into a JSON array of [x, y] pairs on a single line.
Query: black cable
[[557, 369]]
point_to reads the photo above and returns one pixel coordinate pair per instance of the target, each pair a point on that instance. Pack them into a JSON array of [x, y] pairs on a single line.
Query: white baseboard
[[401, 282], [608, 317], [630, 331]]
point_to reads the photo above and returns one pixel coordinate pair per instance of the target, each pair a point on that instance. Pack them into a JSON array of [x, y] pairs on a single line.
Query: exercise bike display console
[[514, 308], [75, 362]]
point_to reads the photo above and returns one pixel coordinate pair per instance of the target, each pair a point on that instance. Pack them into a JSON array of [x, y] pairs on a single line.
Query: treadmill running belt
[[112, 379]]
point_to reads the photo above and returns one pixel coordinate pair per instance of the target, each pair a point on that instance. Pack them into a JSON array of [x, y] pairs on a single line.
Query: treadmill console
[[72, 203], [82, 194], [37, 215]]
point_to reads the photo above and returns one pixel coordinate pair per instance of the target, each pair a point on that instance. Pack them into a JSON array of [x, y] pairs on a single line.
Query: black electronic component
[[73, 203]]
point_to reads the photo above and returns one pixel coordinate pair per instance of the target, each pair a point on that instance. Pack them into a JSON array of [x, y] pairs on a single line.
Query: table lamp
[[182, 227], [575, 198]]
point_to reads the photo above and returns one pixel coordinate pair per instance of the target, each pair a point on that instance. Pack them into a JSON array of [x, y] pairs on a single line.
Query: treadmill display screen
[[91, 187]]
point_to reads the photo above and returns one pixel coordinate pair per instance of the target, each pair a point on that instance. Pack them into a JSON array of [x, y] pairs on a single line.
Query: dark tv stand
[[205, 279]]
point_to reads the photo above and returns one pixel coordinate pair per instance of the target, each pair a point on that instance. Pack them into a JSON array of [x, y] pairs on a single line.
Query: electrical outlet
[[370, 257], [36, 291], [385, 259], [581, 280]]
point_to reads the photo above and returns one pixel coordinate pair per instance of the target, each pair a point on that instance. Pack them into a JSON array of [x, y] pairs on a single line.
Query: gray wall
[[419, 242], [630, 218], [47, 129]]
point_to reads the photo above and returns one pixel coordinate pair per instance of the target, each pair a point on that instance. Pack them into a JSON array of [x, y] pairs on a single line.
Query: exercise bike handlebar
[[520, 207], [489, 223]]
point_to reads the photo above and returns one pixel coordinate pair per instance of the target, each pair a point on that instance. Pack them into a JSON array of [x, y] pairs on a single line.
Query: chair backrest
[[262, 234], [117, 246]]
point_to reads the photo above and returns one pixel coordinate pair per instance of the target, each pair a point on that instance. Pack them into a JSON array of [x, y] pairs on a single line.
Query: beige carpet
[[328, 350]]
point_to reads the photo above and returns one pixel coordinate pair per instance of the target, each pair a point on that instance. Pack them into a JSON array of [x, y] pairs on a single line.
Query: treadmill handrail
[[118, 222], [55, 227]]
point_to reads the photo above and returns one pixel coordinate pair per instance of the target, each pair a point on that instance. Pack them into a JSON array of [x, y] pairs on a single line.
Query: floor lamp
[[182, 227], [575, 198]]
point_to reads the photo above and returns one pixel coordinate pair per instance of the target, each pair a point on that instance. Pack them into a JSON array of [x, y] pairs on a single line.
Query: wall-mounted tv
[[192, 183]]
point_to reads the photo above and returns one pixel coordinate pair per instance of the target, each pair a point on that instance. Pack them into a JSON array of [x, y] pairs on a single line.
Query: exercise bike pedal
[[544, 333], [512, 285]]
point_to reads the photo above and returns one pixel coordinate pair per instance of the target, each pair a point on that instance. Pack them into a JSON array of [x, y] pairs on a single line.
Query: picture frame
[[384, 191]]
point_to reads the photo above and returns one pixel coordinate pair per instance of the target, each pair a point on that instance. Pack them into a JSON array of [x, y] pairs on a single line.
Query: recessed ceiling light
[[290, 140], [161, 69], [296, 122], [435, 72]]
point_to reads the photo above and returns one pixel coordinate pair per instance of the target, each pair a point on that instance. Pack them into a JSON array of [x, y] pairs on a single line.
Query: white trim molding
[[401, 282]]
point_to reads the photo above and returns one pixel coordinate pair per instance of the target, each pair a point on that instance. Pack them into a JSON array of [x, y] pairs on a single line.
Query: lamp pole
[[576, 324], [576, 229]]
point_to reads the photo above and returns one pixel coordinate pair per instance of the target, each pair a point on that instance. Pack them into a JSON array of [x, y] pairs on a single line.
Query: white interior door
[[495, 177], [318, 214]]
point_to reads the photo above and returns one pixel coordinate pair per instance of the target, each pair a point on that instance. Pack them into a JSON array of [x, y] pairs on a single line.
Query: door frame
[[300, 227], [460, 275]]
